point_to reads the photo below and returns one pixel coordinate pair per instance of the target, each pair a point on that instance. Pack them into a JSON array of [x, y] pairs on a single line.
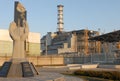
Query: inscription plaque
[[27, 71], [4, 69]]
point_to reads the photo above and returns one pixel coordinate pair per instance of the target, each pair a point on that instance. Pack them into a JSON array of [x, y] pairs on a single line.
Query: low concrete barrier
[[109, 66], [82, 66], [89, 66], [69, 65]]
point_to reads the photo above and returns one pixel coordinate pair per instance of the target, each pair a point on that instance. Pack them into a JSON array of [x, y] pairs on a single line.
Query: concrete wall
[[40, 60], [47, 60]]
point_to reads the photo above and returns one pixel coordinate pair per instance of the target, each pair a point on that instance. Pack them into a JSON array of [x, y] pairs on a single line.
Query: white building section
[[32, 46], [4, 35], [34, 37]]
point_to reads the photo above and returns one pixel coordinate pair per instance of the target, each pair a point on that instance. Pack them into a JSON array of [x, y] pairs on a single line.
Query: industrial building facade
[[85, 46], [69, 42], [32, 45], [62, 42]]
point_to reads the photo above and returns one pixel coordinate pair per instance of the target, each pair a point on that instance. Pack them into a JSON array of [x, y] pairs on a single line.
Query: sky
[[78, 14]]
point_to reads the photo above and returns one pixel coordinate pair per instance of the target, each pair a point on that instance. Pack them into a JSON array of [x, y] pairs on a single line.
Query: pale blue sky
[[78, 14]]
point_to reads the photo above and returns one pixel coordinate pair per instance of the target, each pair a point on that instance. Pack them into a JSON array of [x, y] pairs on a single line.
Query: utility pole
[[46, 45]]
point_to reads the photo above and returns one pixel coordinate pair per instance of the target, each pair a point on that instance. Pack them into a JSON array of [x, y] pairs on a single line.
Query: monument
[[18, 66]]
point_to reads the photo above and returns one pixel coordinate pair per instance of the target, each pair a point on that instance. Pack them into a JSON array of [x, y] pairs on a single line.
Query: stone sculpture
[[18, 66], [19, 32]]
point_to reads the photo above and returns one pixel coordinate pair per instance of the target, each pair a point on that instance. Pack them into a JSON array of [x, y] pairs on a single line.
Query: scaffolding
[[85, 46]]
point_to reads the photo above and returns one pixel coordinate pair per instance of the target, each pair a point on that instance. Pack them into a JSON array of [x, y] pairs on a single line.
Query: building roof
[[82, 31], [108, 37]]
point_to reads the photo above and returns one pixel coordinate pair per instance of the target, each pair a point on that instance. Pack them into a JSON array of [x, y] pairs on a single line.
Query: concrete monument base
[[18, 69], [15, 70]]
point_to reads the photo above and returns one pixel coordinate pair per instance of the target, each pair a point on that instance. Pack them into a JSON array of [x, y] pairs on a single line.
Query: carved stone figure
[[19, 32], [18, 66], [19, 35]]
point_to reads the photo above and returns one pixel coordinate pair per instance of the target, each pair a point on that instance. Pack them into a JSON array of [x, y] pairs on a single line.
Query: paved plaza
[[45, 76]]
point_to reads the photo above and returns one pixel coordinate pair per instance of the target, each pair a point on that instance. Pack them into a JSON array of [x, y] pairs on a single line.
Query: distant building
[[110, 47], [69, 42], [61, 42], [32, 44]]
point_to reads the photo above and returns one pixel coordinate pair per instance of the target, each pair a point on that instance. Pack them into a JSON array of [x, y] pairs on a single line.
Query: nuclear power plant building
[[69, 42], [61, 42]]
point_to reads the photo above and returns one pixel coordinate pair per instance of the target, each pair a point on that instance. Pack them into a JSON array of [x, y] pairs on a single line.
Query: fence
[[92, 58]]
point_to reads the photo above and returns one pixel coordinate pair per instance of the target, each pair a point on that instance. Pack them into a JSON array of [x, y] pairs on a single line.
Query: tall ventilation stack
[[60, 18]]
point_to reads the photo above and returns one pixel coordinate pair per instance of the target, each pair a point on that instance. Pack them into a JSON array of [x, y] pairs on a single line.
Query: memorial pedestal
[[18, 69], [5, 69]]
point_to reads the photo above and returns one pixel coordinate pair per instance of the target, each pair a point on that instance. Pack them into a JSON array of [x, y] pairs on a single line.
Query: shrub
[[81, 72], [107, 75], [113, 75]]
